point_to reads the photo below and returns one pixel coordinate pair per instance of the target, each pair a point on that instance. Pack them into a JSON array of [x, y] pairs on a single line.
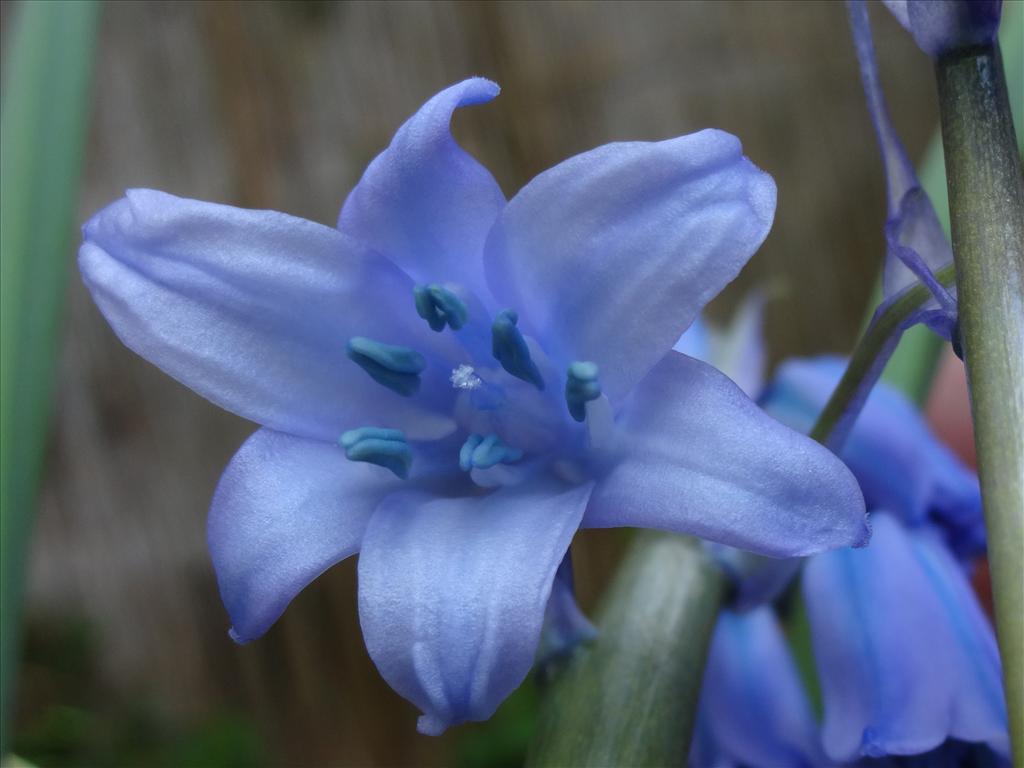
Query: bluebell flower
[[906, 657], [451, 385], [754, 710], [908, 661], [916, 245], [942, 26]]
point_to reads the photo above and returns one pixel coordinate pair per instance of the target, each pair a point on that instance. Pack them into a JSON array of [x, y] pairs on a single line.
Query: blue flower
[[916, 245], [942, 26], [754, 710], [905, 655], [498, 374], [907, 660]]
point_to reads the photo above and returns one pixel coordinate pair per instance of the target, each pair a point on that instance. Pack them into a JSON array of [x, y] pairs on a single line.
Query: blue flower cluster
[[451, 384], [904, 655]]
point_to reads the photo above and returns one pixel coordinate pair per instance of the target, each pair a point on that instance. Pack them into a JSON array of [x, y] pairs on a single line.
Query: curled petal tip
[[233, 634]]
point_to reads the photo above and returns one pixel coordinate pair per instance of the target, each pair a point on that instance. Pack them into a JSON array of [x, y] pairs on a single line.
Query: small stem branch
[[867, 360], [986, 196], [630, 698]]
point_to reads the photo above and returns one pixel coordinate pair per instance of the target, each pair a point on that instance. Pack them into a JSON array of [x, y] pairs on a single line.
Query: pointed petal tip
[[431, 725]]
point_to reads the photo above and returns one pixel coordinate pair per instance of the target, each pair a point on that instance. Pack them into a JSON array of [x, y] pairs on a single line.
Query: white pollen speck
[[464, 378]]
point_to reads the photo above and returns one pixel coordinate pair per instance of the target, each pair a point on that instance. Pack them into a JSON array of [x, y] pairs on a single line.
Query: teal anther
[[384, 447], [397, 368], [466, 452], [509, 348], [484, 452], [581, 386], [439, 307]]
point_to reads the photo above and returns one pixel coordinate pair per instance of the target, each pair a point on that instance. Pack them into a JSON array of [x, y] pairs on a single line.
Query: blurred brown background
[[281, 105]]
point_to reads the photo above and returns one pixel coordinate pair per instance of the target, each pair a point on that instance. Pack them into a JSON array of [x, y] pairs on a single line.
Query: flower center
[[505, 419]]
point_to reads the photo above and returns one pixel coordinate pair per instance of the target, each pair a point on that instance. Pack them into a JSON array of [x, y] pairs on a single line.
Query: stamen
[[581, 386], [485, 452], [384, 447], [509, 348], [439, 306], [397, 368], [464, 377]]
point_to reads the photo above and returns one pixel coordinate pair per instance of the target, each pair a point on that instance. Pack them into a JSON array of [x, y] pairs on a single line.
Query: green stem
[[986, 196], [631, 697], [864, 360]]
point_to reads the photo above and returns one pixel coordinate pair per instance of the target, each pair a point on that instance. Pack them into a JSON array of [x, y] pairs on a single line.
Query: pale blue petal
[[610, 255], [452, 593], [252, 310], [940, 26], [979, 713], [699, 457], [285, 510], [905, 657], [752, 699], [901, 466], [424, 202]]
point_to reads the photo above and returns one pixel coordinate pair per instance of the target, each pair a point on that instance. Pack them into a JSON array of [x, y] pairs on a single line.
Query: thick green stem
[[631, 697], [986, 197]]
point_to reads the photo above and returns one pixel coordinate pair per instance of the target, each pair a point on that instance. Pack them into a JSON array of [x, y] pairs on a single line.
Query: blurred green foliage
[[69, 718], [43, 122]]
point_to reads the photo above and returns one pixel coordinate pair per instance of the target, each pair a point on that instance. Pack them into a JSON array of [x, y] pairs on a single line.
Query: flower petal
[[699, 457], [452, 593], [424, 202], [939, 26], [610, 255], [752, 700], [901, 466], [905, 655], [285, 510], [252, 310]]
